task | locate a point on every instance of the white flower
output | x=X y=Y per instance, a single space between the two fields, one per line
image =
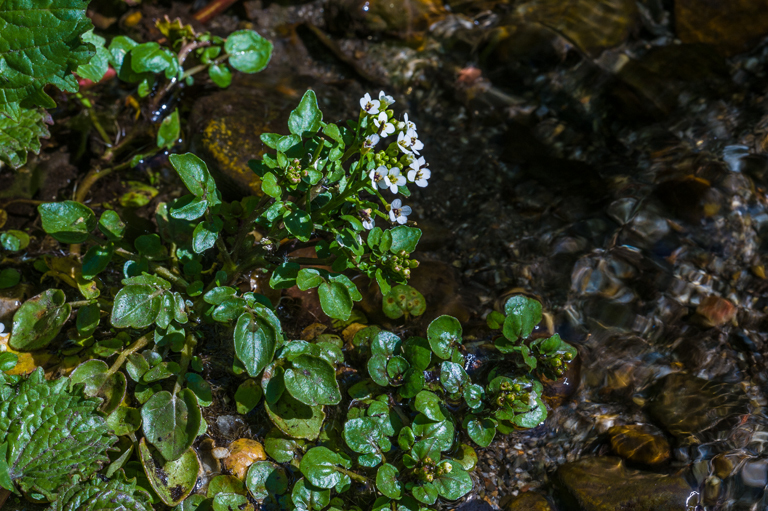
x=395 y=179
x=404 y=142
x=409 y=125
x=399 y=213
x=379 y=177
x=385 y=100
x=386 y=128
x=419 y=173
x=368 y=223
x=371 y=141
x=416 y=144
x=371 y=106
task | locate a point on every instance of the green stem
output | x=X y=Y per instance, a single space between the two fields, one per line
x=229 y=264
x=81 y=303
x=186 y=356
x=160 y=270
x=96 y=124
x=352 y=475
x=133 y=348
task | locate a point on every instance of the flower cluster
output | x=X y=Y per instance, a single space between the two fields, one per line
x=399 y=163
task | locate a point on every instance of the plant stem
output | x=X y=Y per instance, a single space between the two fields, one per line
x=96 y=124
x=81 y=303
x=160 y=270
x=133 y=348
x=23 y=201
x=186 y=356
x=229 y=264
x=354 y=476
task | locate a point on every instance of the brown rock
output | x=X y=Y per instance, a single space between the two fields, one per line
x=605 y=484
x=243 y=452
x=529 y=501
x=641 y=443
x=395 y=17
x=731 y=27
x=716 y=311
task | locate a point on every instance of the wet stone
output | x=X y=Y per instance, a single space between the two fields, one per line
x=730 y=27
x=605 y=484
x=10 y=301
x=529 y=501
x=716 y=311
x=690 y=407
x=640 y=443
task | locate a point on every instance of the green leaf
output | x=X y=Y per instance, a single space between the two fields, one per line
x=189 y=207
x=97 y=66
x=387 y=481
x=8 y=361
x=111 y=226
x=152 y=58
x=88 y=318
x=136 y=306
x=41 y=44
x=404 y=238
x=39 y=320
x=14 y=240
x=453 y=377
x=309 y=278
x=231 y=502
x=205 y=234
x=255 y=342
x=94 y=374
x=124 y=420
x=363 y=435
x=96 y=260
x=454 y=483
x=309 y=497
x=97 y=494
x=200 y=387
x=280 y=447
x=9 y=278
x=248 y=51
x=284 y=276
x=220 y=75
x=418 y=353
x=494 y=320
x=333 y=132
x=172 y=480
x=171 y=422
x=68 y=221
x=428 y=403
x=473 y=395
x=320 y=466
x=413 y=382
x=299 y=223
x=270 y=187
x=168 y=133
x=265 y=478
x=20 y=132
x=197 y=179
x=312 y=381
x=377 y=369
x=335 y=300
x=247 y=396
x=52 y=431
x=294 y=418
x=523 y=314
x=480 y=430
x=534 y=417
x=426 y=493
x=443 y=333
x=306 y=117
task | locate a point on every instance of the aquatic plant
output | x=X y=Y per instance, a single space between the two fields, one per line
x=123 y=433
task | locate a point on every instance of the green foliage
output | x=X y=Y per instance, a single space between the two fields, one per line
x=50 y=433
x=97 y=494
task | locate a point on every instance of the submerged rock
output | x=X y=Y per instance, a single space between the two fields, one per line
x=529 y=501
x=730 y=27
x=641 y=443
x=687 y=406
x=605 y=484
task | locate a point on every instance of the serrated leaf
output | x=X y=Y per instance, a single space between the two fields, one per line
x=20 y=132
x=41 y=43
x=52 y=432
x=39 y=320
x=97 y=494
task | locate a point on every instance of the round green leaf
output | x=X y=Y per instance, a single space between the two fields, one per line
x=172 y=480
x=320 y=467
x=220 y=75
x=111 y=226
x=526 y=313
x=8 y=361
x=299 y=223
x=418 y=353
x=171 y=422
x=280 y=447
x=453 y=484
x=363 y=435
x=9 y=278
x=68 y=221
x=39 y=320
x=534 y=417
x=443 y=333
x=200 y=387
x=453 y=377
x=247 y=396
x=136 y=306
x=377 y=368
x=124 y=420
x=429 y=404
x=294 y=418
x=198 y=180
x=480 y=430
x=13 y=240
x=231 y=502
x=387 y=481
x=248 y=51
x=402 y=299
x=426 y=493
x=88 y=318
x=396 y=368
x=225 y=484
x=265 y=478
x=96 y=260
x=413 y=382
x=335 y=300
x=307 y=496
x=168 y=133
x=312 y=381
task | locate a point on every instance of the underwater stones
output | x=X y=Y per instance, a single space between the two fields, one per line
x=640 y=443
x=730 y=27
x=688 y=407
x=226 y=127
x=243 y=453
x=529 y=501
x=716 y=311
x=10 y=301
x=605 y=484
x=394 y=17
